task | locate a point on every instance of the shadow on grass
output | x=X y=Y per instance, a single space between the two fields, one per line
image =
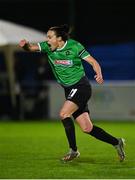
x=95 y=161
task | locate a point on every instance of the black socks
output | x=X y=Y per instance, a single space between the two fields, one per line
x=70 y=132
x=96 y=132
x=103 y=136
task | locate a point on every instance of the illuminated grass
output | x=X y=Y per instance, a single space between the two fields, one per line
x=33 y=150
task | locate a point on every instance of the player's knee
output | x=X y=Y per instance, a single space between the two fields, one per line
x=87 y=129
x=63 y=115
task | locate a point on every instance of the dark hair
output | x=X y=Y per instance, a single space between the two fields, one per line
x=61 y=31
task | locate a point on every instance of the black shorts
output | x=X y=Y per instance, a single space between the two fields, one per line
x=79 y=93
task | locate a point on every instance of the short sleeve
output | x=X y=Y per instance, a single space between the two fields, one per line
x=82 y=53
x=43 y=47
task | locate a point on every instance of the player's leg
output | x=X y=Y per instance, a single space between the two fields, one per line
x=84 y=122
x=66 y=111
x=76 y=96
x=86 y=125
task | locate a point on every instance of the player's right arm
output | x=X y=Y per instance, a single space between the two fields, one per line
x=28 y=46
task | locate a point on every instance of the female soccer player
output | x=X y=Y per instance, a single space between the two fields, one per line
x=65 y=57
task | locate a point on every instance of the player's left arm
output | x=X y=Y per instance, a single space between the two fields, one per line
x=96 y=67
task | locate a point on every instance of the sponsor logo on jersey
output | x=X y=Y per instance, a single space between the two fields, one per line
x=63 y=62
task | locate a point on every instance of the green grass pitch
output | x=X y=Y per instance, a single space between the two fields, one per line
x=32 y=150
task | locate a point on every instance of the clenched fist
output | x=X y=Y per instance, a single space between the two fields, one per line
x=22 y=43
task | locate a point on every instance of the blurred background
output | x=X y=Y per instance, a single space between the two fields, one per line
x=105 y=27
